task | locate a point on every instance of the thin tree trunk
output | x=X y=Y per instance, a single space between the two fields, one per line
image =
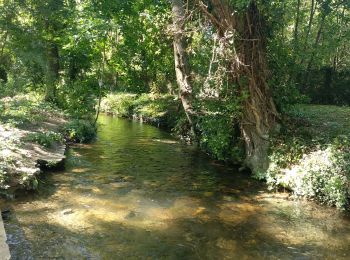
x=100 y=85
x=100 y=81
x=53 y=68
x=296 y=27
x=312 y=12
x=336 y=55
x=317 y=40
x=181 y=64
x=3 y=44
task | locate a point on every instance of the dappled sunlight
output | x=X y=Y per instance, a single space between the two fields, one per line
x=80 y=170
x=152 y=201
x=165 y=141
x=238 y=212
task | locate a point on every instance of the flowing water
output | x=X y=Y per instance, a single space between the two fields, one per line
x=136 y=193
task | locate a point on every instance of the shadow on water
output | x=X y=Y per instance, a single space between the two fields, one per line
x=137 y=193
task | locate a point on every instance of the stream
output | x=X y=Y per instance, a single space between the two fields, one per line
x=138 y=193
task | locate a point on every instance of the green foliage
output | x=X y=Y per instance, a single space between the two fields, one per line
x=328 y=175
x=80 y=130
x=307 y=50
x=22 y=110
x=323 y=175
x=219 y=128
x=311 y=155
x=218 y=138
x=4 y=162
x=46 y=139
x=161 y=109
x=158 y=109
x=118 y=104
x=78 y=98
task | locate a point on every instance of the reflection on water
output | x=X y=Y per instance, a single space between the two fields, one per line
x=137 y=194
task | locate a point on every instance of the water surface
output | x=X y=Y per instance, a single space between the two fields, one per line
x=136 y=193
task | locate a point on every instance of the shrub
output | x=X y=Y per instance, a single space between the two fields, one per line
x=311 y=154
x=80 y=130
x=161 y=109
x=218 y=137
x=78 y=98
x=46 y=139
x=118 y=104
x=3 y=173
x=23 y=110
x=322 y=174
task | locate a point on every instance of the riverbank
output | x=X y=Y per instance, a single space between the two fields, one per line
x=33 y=137
x=309 y=157
x=311 y=154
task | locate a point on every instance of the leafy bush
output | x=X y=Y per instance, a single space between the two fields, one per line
x=311 y=155
x=46 y=139
x=80 y=130
x=118 y=104
x=161 y=109
x=219 y=128
x=323 y=175
x=218 y=137
x=78 y=98
x=3 y=173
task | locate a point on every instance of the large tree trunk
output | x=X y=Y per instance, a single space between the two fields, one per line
x=181 y=64
x=248 y=69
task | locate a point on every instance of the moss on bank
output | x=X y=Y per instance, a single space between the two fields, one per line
x=33 y=135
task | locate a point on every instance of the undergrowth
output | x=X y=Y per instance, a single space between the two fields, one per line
x=311 y=155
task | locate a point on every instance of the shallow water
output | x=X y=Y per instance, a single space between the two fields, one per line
x=136 y=193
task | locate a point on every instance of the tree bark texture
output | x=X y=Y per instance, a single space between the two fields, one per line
x=249 y=72
x=181 y=64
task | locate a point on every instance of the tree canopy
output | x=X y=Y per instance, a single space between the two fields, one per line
x=237 y=65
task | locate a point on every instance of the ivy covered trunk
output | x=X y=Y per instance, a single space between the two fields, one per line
x=248 y=71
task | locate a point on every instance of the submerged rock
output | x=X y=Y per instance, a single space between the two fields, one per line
x=67 y=212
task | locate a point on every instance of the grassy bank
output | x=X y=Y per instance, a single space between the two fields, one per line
x=33 y=136
x=310 y=156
